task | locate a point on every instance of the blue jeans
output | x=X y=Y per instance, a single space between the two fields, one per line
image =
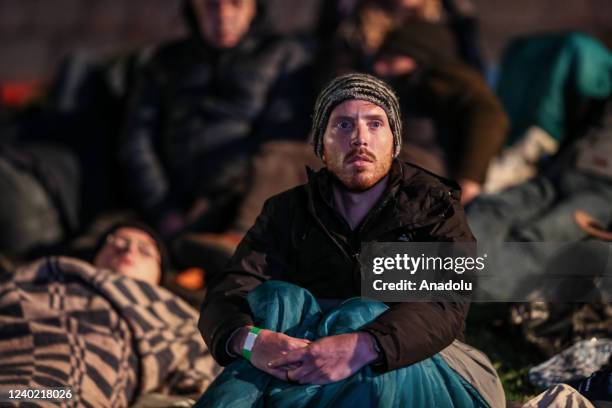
x=541 y=209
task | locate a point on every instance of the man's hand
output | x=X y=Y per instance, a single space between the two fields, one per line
x=329 y=359
x=268 y=346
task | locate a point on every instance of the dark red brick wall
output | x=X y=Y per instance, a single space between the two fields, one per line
x=503 y=19
x=35 y=34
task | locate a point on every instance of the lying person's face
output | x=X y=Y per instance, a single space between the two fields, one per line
x=131 y=252
x=224 y=22
x=358 y=144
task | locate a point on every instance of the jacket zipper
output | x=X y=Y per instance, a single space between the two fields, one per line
x=334 y=240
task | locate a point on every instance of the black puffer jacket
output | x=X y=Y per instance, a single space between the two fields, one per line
x=300 y=238
x=196 y=113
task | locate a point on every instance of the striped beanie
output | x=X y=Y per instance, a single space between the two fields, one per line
x=356 y=86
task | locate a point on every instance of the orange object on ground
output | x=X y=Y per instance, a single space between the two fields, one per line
x=191 y=278
x=226 y=242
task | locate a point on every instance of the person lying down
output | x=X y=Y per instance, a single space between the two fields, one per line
x=104 y=330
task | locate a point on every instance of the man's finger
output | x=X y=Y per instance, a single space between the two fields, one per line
x=298 y=373
x=280 y=374
x=292 y=366
x=297 y=338
x=291 y=357
x=295 y=346
x=289 y=367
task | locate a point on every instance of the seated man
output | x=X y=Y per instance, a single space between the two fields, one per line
x=202 y=105
x=106 y=332
x=282 y=302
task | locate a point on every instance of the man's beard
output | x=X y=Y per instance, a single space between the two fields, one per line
x=357 y=180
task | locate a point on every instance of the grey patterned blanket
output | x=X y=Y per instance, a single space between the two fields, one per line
x=110 y=339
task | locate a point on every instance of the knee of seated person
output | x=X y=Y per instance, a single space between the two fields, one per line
x=527 y=234
x=363 y=303
x=281 y=289
x=358 y=310
x=485 y=204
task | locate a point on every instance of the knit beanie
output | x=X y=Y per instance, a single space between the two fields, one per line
x=356 y=86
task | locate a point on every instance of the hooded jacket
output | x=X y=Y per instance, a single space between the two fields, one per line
x=300 y=238
x=196 y=113
x=449 y=108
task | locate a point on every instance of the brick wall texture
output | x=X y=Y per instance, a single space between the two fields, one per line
x=36 y=34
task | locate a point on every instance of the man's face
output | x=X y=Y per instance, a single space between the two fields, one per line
x=131 y=252
x=224 y=22
x=358 y=144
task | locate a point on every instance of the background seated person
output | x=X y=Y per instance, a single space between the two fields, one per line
x=201 y=106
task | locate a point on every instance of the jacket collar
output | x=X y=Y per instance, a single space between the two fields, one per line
x=414 y=197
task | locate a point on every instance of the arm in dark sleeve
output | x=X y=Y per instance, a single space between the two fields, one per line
x=477 y=118
x=281 y=112
x=143 y=173
x=289 y=101
x=413 y=331
x=485 y=126
x=257 y=259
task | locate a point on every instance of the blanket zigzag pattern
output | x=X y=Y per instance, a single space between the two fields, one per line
x=107 y=337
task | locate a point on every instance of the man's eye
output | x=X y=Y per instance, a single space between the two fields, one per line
x=343 y=124
x=376 y=124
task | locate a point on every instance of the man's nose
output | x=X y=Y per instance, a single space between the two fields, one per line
x=361 y=136
x=224 y=11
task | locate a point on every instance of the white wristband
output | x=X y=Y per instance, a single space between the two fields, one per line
x=250 y=342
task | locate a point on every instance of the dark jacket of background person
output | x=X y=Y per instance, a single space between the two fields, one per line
x=197 y=112
x=301 y=239
x=449 y=108
x=349 y=43
x=39 y=186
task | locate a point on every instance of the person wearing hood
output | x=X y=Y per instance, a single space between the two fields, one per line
x=202 y=105
x=455 y=125
x=354 y=30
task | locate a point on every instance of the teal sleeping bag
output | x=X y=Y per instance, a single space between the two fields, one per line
x=287 y=308
x=540 y=72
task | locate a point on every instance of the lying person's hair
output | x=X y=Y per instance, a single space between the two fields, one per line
x=110 y=237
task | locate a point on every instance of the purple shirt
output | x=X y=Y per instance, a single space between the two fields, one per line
x=354 y=206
